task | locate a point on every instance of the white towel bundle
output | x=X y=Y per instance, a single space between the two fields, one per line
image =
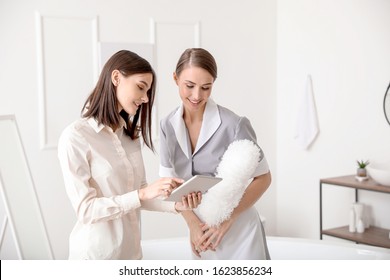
x=306 y=127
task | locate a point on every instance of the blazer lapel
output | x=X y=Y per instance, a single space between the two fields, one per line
x=210 y=124
x=181 y=131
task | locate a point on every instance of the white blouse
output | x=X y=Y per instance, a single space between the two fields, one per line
x=103 y=171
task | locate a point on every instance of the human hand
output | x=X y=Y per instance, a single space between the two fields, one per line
x=162 y=187
x=212 y=236
x=189 y=202
x=195 y=234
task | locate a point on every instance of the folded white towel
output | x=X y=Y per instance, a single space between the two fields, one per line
x=306 y=127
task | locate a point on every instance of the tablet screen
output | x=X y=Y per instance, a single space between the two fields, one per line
x=197 y=183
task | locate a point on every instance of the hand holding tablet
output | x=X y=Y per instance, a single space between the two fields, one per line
x=198 y=183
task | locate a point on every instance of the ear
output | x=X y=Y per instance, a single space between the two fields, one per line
x=175 y=78
x=115 y=77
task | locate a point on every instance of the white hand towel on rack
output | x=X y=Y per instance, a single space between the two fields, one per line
x=306 y=127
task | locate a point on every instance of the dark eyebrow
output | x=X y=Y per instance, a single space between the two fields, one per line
x=188 y=81
x=145 y=83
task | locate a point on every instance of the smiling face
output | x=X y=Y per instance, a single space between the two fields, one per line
x=195 y=85
x=132 y=90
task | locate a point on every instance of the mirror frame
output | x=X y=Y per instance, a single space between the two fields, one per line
x=22 y=209
x=386 y=104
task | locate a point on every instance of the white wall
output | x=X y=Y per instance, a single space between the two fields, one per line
x=241 y=35
x=345 y=47
x=264 y=49
x=245 y=50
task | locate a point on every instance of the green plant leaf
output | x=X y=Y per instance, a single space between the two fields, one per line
x=362 y=163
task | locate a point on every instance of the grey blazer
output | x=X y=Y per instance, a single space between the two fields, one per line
x=220 y=127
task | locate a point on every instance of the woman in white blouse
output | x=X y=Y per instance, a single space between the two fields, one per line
x=193 y=139
x=102 y=164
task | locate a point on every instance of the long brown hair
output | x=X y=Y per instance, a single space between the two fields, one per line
x=102 y=103
x=197 y=57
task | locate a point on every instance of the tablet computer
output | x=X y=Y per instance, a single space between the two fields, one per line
x=195 y=184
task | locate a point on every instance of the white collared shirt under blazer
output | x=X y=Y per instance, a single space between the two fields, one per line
x=103 y=171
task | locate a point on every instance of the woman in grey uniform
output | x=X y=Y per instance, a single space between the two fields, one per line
x=193 y=140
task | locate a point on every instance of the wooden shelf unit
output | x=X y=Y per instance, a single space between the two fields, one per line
x=373 y=236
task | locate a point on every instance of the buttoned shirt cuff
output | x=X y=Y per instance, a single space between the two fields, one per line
x=167 y=172
x=159 y=205
x=130 y=201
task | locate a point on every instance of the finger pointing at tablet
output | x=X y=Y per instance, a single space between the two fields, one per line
x=162 y=187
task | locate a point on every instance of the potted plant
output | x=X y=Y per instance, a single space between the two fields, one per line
x=362 y=171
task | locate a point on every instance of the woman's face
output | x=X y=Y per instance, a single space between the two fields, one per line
x=195 y=86
x=132 y=91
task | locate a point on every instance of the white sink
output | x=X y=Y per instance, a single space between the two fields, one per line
x=380 y=173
